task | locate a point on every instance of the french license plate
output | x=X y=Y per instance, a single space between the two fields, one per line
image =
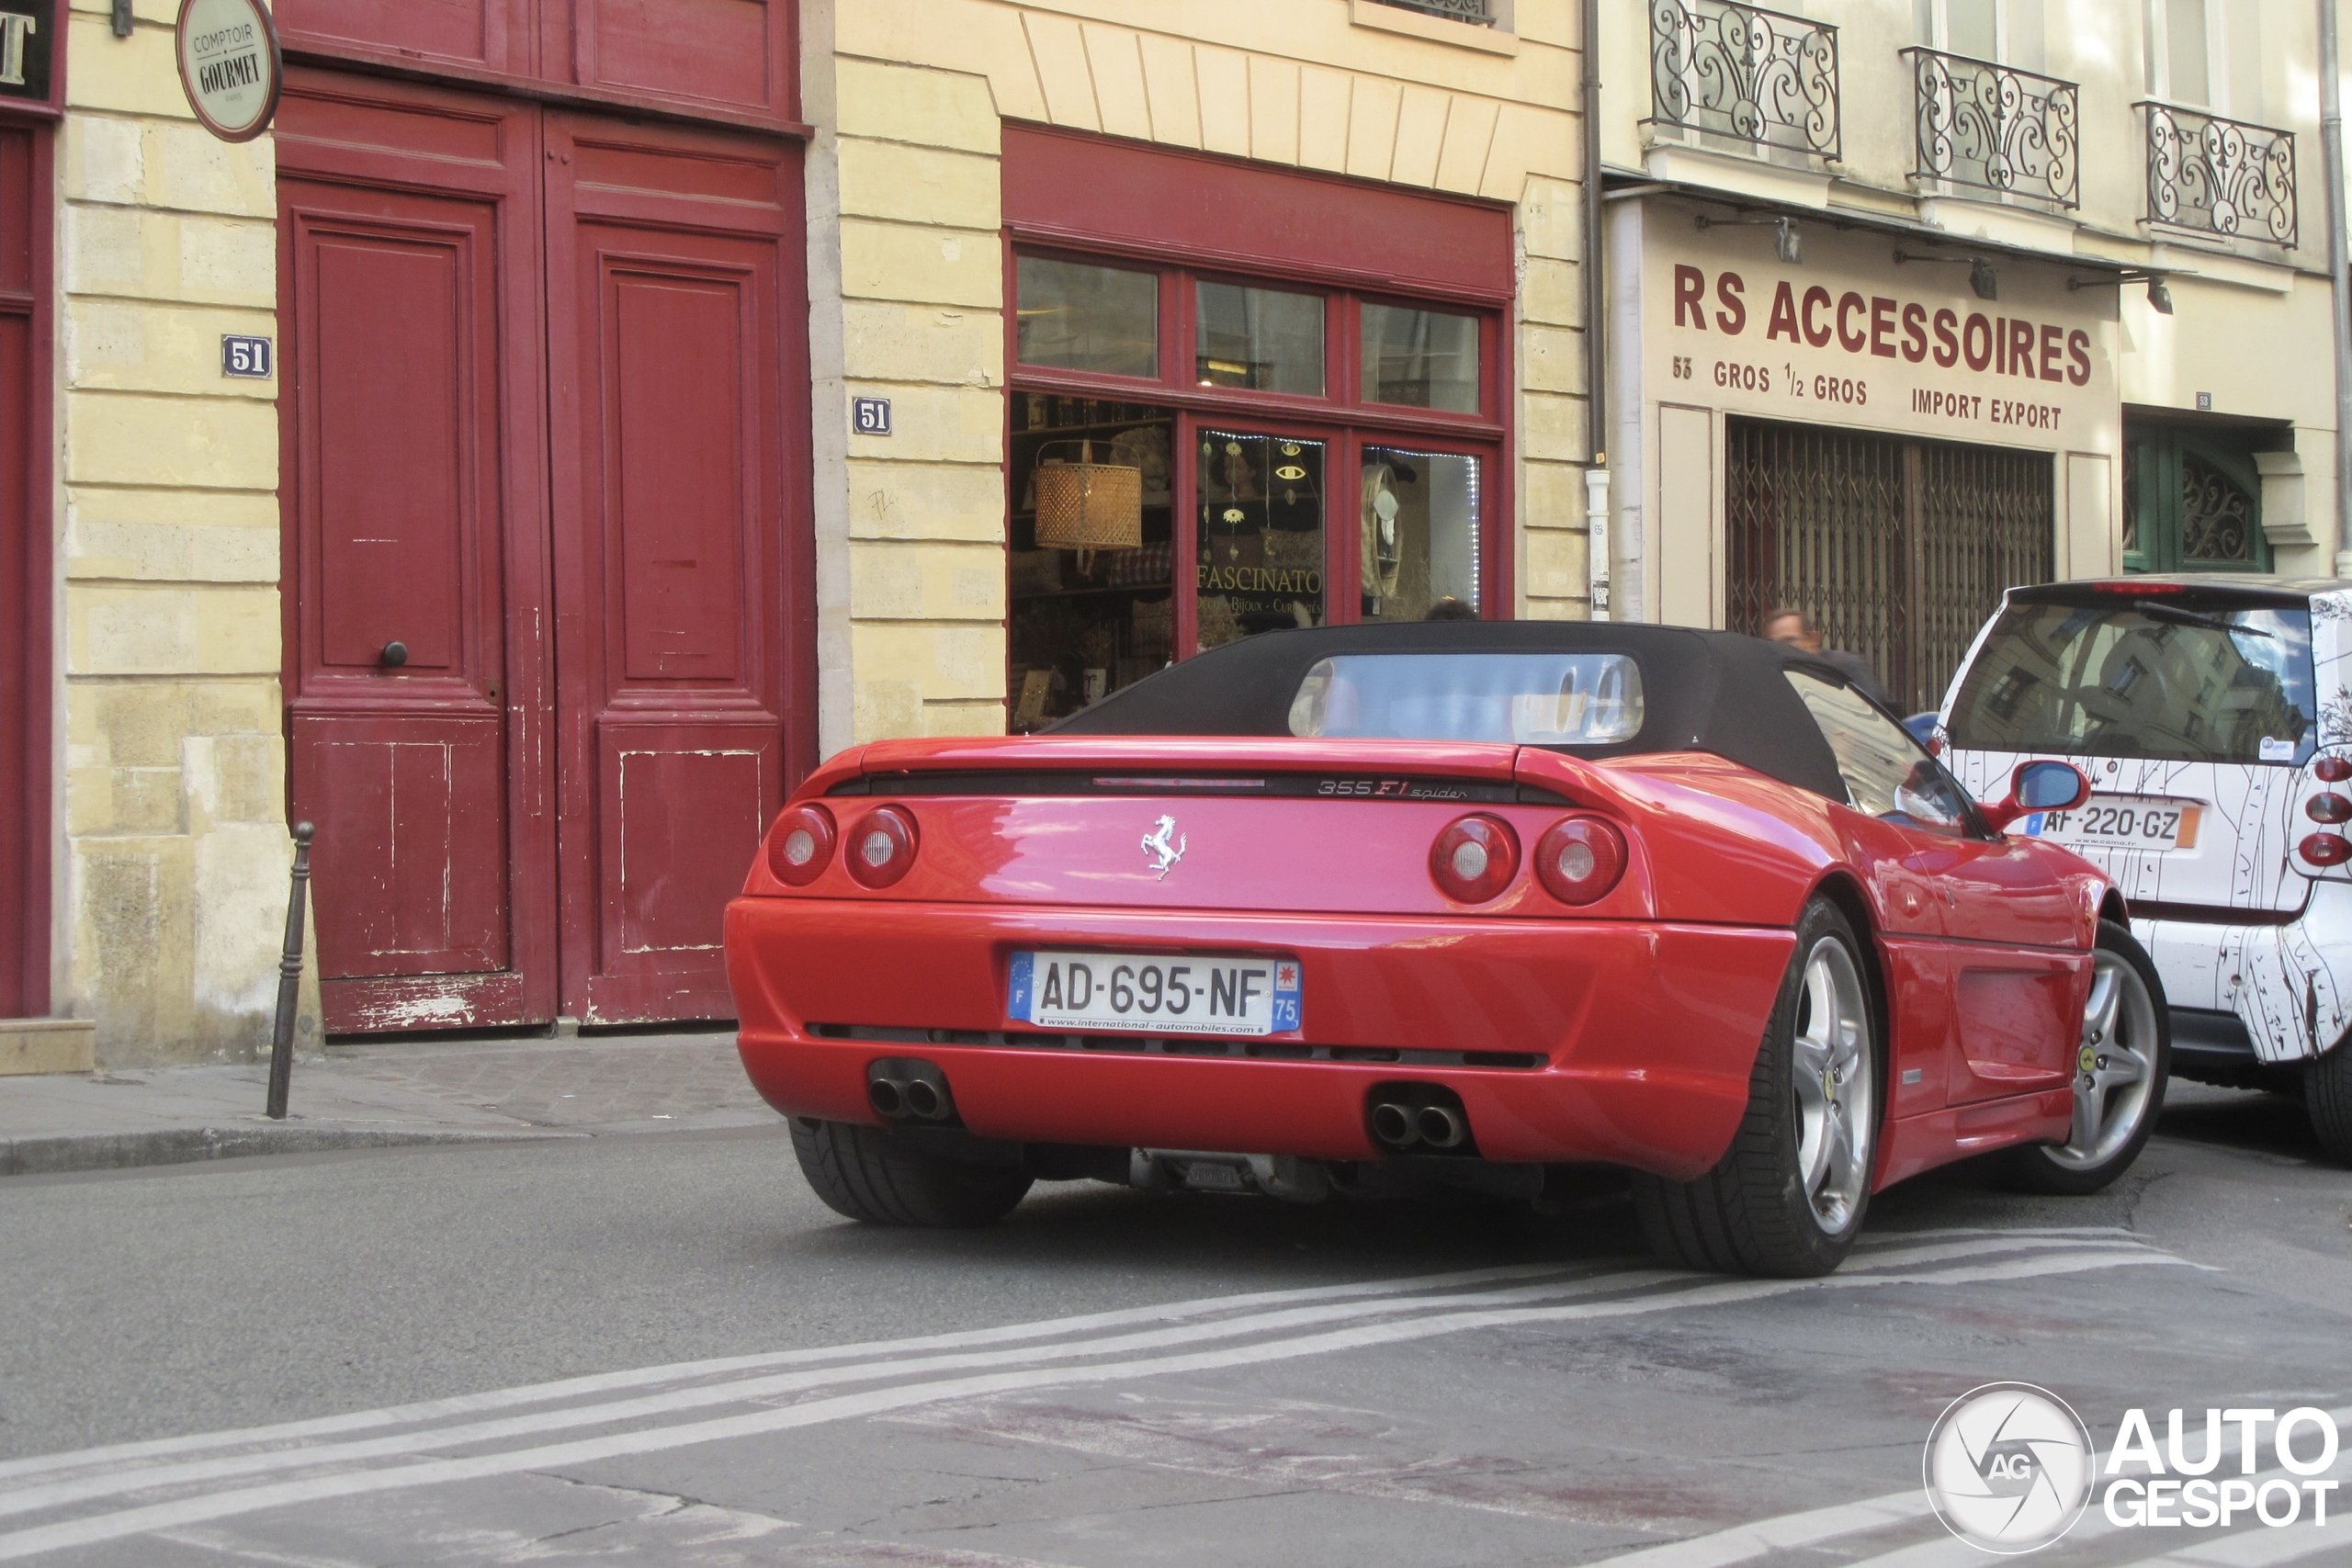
x=1154 y=993
x=2121 y=822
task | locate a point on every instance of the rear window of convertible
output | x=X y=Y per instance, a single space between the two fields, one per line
x=2143 y=678
x=1528 y=699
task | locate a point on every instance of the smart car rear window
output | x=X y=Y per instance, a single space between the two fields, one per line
x=1528 y=699
x=2143 y=678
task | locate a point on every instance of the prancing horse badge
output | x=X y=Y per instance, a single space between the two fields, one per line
x=1164 y=846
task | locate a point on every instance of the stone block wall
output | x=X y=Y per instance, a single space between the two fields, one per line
x=174 y=852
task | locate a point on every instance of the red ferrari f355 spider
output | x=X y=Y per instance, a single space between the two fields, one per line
x=1361 y=911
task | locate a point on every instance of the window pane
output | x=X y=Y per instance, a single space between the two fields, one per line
x=1082 y=625
x=1968 y=28
x=1075 y=317
x=1886 y=773
x=1260 y=338
x=1420 y=521
x=1261 y=534
x=2130 y=679
x=1427 y=359
x=2185 y=51
x=1528 y=699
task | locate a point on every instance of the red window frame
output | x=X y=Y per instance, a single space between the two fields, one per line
x=1188 y=217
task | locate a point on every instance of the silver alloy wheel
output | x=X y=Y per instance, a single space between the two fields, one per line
x=1834 y=1069
x=2113 y=1072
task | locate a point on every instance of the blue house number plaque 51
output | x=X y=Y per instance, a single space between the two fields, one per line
x=870 y=416
x=250 y=357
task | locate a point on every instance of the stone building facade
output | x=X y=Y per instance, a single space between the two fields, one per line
x=170 y=845
x=539 y=739
x=2148 y=190
x=668 y=396
x=911 y=99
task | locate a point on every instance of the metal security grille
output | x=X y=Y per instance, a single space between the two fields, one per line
x=1897 y=549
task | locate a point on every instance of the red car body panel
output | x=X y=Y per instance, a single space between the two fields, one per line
x=1645 y=1007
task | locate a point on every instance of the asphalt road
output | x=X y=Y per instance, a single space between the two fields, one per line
x=1108 y=1378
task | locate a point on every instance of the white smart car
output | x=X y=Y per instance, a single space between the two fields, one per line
x=2213 y=715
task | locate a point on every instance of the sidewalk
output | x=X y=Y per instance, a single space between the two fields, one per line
x=377 y=1096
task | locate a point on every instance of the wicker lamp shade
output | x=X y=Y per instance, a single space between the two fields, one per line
x=1088 y=506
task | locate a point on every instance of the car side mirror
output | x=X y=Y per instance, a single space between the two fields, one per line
x=2040 y=786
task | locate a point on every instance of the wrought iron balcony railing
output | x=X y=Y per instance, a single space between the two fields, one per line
x=1753 y=75
x=1996 y=128
x=2220 y=177
x=1477 y=13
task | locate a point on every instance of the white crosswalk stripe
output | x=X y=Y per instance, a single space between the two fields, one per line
x=680 y=1371
x=751 y=1396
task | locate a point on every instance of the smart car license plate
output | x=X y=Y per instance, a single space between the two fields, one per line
x=2121 y=822
x=1155 y=993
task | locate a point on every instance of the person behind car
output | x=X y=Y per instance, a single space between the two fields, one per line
x=1793 y=626
x=1448 y=608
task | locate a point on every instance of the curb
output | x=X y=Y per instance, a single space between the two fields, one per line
x=185 y=1146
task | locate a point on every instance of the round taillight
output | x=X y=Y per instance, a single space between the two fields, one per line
x=2328 y=809
x=881 y=847
x=1474 y=859
x=800 y=845
x=2332 y=769
x=1580 y=859
x=2325 y=849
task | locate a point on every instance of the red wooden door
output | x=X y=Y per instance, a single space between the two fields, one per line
x=676 y=311
x=545 y=428
x=415 y=477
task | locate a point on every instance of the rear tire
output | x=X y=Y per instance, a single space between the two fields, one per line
x=870 y=1176
x=1787 y=1199
x=2127 y=1037
x=2327 y=1098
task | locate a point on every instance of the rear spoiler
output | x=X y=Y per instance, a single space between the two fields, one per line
x=1213 y=763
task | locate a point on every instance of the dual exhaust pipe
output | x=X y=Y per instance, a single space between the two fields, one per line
x=1426 y=1117
x=903 y=1089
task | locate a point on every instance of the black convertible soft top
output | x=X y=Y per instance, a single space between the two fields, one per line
x=1702 y=691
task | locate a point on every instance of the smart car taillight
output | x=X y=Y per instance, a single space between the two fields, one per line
x=881 y=847
x=800 y=845
x=1580 y=859
x=1474 y=859
x=2330 y=807
x=2325 y=849
x=2332 y=770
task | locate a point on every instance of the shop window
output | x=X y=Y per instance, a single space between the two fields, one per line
x=1263 y=484
x=1420 y=532
x=1088 y=620
x=1261 y=553
x=1076 y=317
x=1260 y=338
x=1424 y=359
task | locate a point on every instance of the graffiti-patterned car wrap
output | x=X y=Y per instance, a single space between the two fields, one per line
x=2237 y=922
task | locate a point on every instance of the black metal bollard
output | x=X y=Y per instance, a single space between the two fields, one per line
x=289 y=976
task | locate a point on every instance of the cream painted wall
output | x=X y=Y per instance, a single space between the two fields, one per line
x=920 y=90
x=2251 y=321
x=173 y=859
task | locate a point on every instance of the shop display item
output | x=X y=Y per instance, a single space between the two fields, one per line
x=1088 y=506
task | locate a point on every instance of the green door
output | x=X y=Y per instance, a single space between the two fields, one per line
x=2192 y=502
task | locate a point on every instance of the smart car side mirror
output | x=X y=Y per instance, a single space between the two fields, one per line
x=2040 y=786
